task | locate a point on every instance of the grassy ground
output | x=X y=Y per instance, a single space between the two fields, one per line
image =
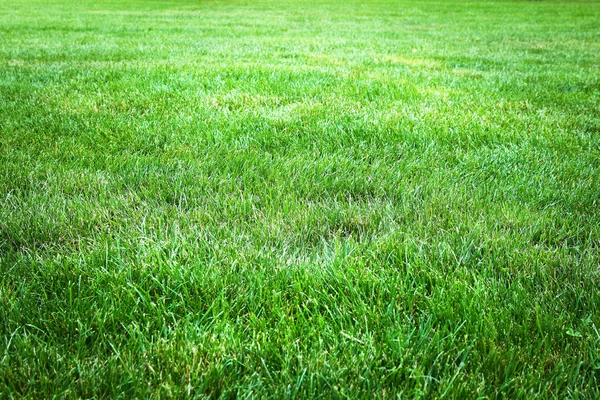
x=299 y=199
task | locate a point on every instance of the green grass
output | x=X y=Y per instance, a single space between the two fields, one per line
x=299 y=199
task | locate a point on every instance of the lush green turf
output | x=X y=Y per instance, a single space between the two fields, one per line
x=338 y=199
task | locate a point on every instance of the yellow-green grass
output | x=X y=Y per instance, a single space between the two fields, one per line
x=335 y=199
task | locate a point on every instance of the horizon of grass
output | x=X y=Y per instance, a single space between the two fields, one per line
x=299 y=199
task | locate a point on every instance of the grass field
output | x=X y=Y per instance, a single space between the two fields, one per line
x=299 y=199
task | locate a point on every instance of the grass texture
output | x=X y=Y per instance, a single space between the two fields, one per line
x=299 y=199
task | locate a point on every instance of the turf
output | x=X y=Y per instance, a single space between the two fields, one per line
x=335 y=199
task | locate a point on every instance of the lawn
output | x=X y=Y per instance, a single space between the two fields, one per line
x=337 y=199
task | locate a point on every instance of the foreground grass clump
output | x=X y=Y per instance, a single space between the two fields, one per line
x=261 y=199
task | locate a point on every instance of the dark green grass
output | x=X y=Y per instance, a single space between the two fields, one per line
x=299 y=199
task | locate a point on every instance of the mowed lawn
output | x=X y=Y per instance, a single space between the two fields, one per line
x=334 y=199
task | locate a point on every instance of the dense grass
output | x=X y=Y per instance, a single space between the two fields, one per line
x=299 y=199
